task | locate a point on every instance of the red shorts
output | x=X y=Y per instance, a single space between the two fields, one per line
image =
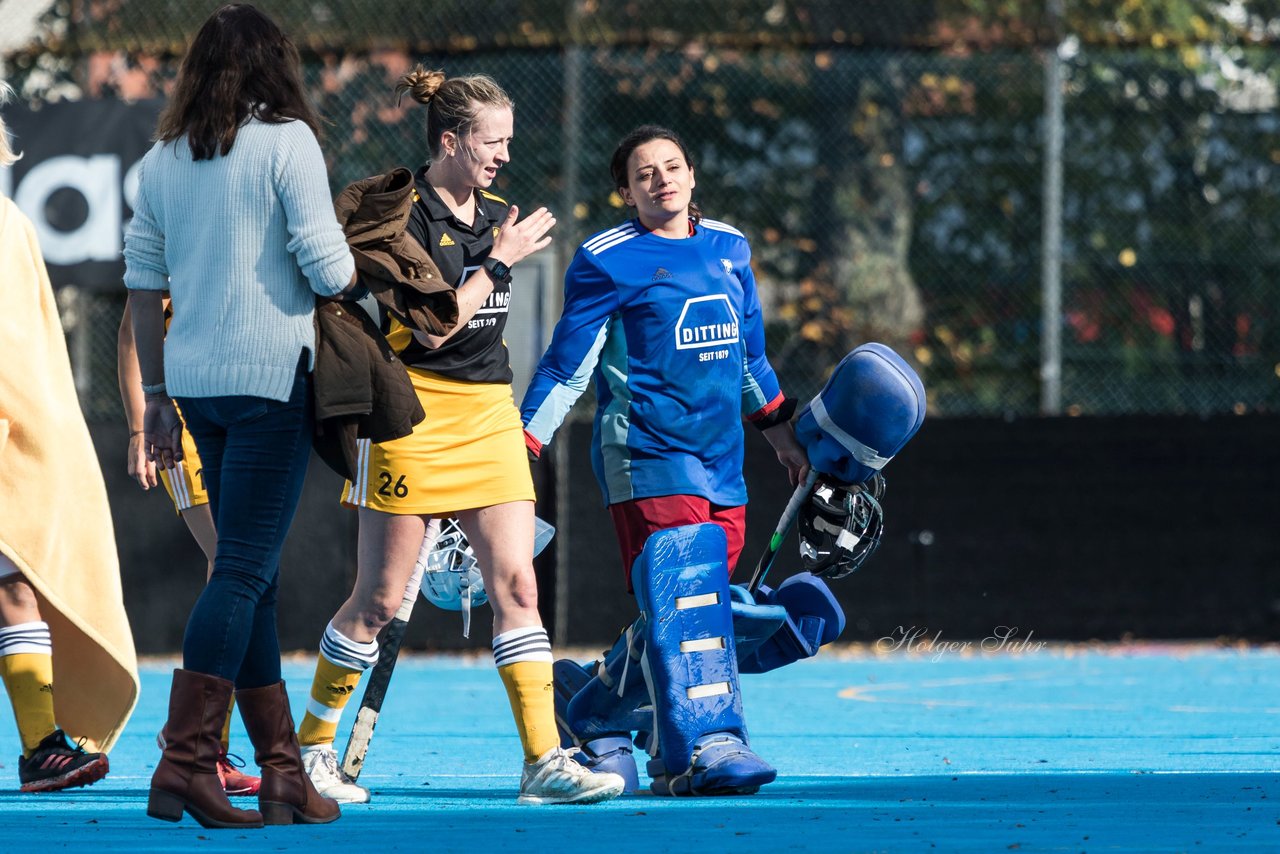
x=635 y=520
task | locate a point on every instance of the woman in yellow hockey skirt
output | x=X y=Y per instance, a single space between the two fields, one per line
x=469 y=449
x=466 y=459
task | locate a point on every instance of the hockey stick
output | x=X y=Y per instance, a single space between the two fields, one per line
x=389 y=641
x=780 y=532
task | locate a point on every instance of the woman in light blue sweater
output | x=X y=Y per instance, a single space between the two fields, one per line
x=234 y=220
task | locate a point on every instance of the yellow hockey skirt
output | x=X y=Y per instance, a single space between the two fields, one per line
x=185 y=481
x=468 y=452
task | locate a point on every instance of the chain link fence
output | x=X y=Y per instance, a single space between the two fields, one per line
x=892 y=182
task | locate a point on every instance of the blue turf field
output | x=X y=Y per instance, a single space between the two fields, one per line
x=1169 y=748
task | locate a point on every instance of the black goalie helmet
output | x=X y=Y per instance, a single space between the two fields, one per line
x=840 y=526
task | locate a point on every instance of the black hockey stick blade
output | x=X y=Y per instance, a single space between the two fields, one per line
x=780 y=532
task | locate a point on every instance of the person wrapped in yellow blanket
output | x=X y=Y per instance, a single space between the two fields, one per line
x=61 y=609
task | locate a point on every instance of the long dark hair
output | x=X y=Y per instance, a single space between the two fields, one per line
x=637 y=138
x=240 y=64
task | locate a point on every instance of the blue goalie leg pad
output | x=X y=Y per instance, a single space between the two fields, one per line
x=753 y=622
x=699 y=737
x=805 y=597
x=722 y=765
x=568 y=677
x=814 y=619
x=606 y=753
x=610 y=701
x=611 y=753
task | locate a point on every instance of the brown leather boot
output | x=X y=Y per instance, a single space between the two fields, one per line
x=286 y=796
x=186 y=778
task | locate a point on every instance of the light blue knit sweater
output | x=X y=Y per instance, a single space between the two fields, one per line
x=241 y=242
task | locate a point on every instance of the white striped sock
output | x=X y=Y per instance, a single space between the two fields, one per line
x=527 y=644
x=345 y=652
x=26 y=638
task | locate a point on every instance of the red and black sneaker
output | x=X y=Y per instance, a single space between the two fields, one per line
x=56 y=764
x=234 y=781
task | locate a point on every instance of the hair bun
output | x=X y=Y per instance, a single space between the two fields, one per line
x=421 y=84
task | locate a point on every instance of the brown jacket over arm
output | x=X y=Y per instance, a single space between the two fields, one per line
x=361 y=387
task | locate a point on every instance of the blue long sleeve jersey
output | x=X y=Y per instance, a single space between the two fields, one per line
x=672 y=331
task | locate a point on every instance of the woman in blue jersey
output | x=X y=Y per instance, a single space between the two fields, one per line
x=664 y=309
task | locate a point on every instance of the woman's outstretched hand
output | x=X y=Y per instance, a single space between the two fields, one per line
x=516 y=241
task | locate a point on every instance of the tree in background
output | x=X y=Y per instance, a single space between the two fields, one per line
x=884 y=157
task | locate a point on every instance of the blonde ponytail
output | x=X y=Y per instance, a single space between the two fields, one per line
x=421 y=84
x=452 y=103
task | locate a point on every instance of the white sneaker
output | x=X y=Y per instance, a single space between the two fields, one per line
x=321 y=764
x=557 y=778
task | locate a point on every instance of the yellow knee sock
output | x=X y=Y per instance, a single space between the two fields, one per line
x=28 y=677
x=523 y=657
x=532 y=704
x=330 y=691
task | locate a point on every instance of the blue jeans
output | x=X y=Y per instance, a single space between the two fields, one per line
x=254 y=454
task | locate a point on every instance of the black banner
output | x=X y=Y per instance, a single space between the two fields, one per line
x=76 y=181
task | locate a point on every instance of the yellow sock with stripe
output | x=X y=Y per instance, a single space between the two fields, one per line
x=226 y=727
x=338 y=670
x=26 y=665
x=523 y=657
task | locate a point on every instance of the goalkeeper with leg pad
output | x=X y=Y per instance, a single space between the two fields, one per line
x=663 y=308
x=663 y=311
